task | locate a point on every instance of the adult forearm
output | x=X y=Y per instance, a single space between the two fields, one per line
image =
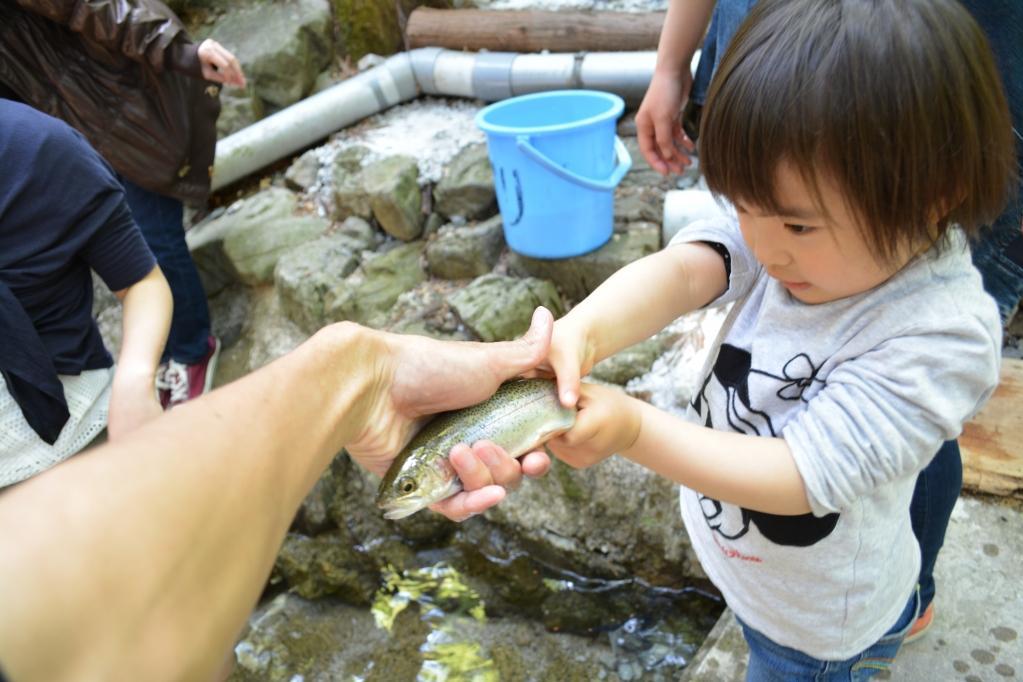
x=684 y=27
x=144 y=325
x=218 y=479
x=706 y=460
x=645 y=296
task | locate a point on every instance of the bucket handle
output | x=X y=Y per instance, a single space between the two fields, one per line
x=622 y=165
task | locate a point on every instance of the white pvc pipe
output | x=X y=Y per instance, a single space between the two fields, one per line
x=429 y=70
x=685 y=206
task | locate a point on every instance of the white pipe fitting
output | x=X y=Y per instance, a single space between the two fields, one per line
x=489 y=76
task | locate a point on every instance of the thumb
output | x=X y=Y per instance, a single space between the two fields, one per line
x=529 y=350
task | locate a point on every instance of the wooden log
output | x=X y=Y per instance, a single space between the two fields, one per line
x=992 y=444
x=533 y=30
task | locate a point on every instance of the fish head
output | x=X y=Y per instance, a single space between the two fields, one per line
x=418 y=483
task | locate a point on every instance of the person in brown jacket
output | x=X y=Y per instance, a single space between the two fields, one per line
x=128 y=77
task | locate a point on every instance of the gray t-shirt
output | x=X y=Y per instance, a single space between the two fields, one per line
x=864 y=390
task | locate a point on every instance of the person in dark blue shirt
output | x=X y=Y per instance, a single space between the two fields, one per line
x=62 y=214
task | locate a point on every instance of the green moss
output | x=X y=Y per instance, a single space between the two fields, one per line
x=367 y=26
x=569 y=483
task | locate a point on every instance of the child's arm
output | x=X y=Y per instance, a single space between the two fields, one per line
x=754 y=472
x=146 y=321
x=633 y=304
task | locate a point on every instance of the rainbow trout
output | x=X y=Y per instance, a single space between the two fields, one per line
x=522 y=415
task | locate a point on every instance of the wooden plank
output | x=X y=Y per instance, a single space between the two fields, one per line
x=533 y=30
x=992 y=444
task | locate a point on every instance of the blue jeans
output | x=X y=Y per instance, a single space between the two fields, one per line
x=724 y=22
x=159 y=217
x=937 y=489
x=771 y=662
x=998 y=254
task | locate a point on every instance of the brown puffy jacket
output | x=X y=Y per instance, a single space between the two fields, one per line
x=125 y=74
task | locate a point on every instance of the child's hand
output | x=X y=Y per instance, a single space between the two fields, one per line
x=607 y=423
x=570 y=357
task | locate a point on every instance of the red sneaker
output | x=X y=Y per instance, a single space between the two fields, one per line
x=178 y=383
x=921 y=626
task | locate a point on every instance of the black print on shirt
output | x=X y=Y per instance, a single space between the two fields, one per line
x=731 y=373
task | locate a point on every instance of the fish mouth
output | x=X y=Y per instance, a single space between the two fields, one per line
x=394 y=512
x=409 y=505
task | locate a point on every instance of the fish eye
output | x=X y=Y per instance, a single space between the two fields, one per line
x=406 y=485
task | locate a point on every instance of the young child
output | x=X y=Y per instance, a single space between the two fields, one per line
x=853 y=138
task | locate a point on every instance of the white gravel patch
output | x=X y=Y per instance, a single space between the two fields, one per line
x=431 y=130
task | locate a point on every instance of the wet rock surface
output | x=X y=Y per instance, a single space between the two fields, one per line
x=498 y=308
x=466 y=252
x=467 y=187
x=392 y=185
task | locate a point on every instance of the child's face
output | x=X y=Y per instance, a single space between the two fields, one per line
x=817 y=258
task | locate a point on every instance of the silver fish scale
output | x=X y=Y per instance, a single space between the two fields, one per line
x=515 y=418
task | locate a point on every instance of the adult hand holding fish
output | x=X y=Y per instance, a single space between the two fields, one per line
x=423 y=376
x=206 y=492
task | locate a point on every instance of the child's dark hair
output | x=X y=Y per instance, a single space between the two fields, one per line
x=897 y=102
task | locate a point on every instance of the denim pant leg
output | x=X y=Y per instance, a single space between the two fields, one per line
x=937 y=489
x=724 y=22
x=998 y=254
x=772 y=662
x=159 y=218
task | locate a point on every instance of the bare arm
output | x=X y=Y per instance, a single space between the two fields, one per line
x=752 y=471
x=756 y=472
x=633 y=304
x=145 y=323
x=142 y=559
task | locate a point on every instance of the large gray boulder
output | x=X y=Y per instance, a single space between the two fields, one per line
x=577 y=277
x=467 y=187
x=255 y=248
x=350 y=197
x=633 y=361
x=306 y=273
x=639 y=532
x=466 y=252
x=498 y=308
x=238 y=109
x=367 y=295
x=392 y=185
x=266 y=335
x=282 y=45
x=425 y=311
x=206 y=240
x=362 y=235
x=304 y=171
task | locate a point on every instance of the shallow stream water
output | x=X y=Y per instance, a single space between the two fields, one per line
x=482 y=608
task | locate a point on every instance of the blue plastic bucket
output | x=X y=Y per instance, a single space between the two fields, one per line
x=556 y=162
